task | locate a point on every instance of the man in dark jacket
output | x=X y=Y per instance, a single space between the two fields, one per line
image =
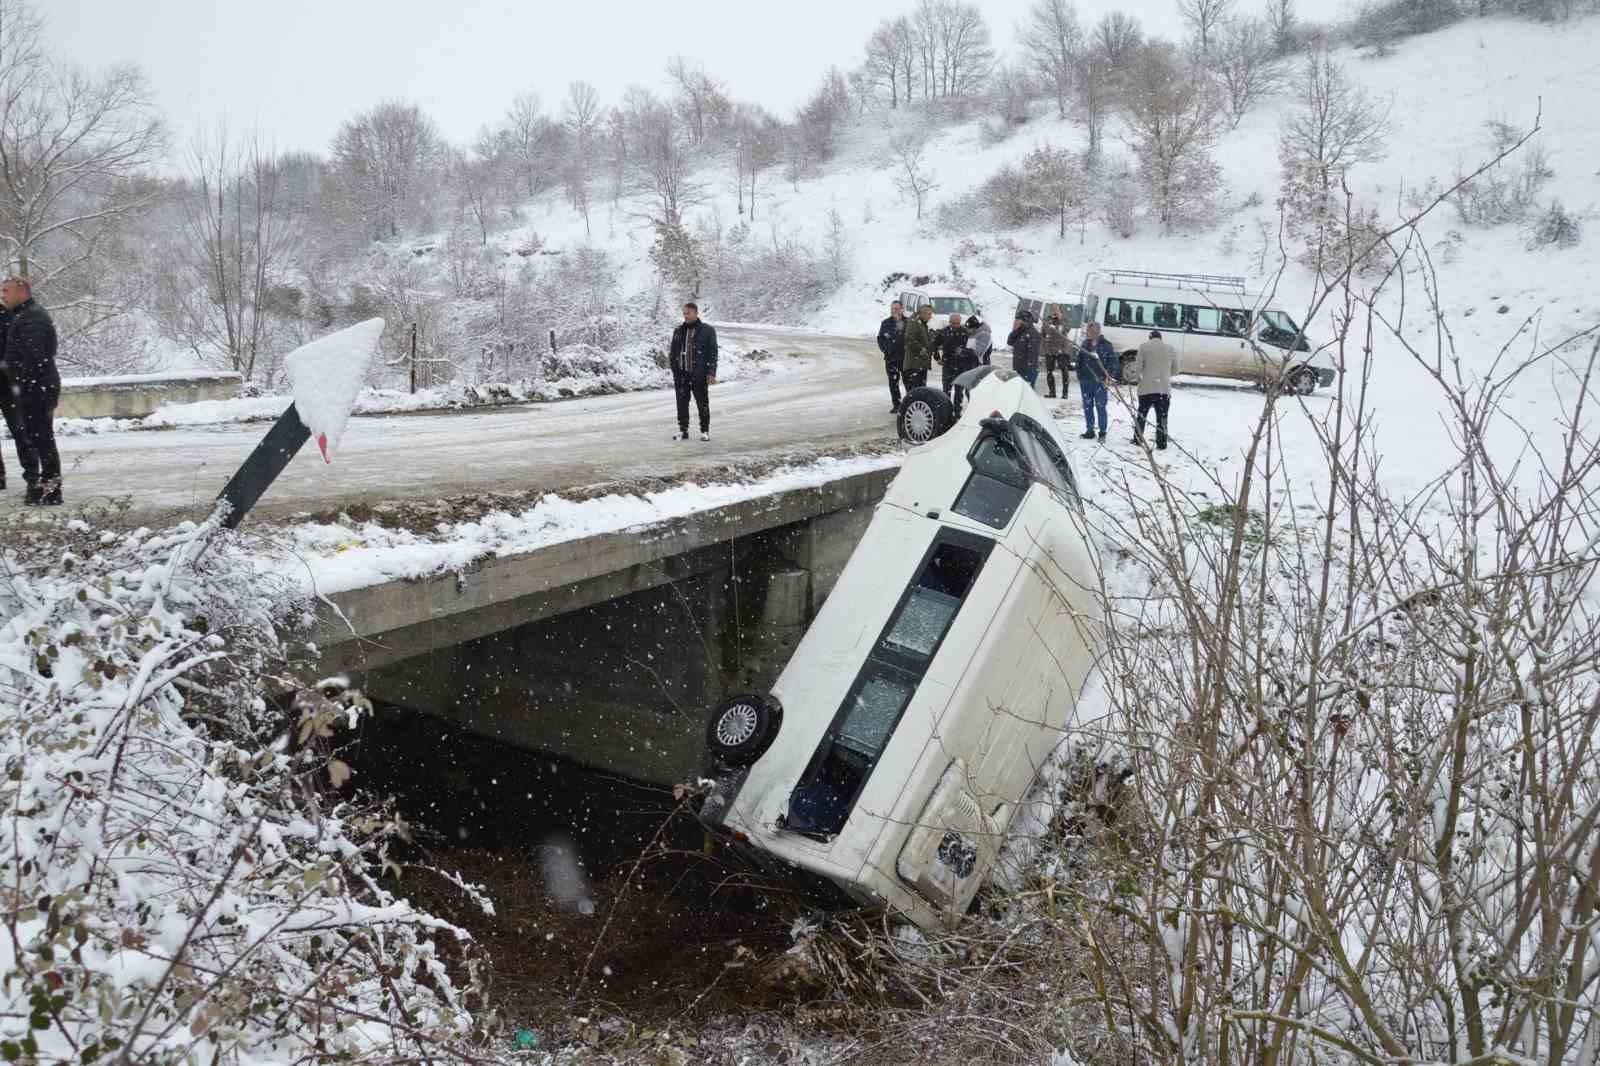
x=1024 y=342
x=949 y=342
x=1057 y=354
x=32 y=386
x=693 y=359
x=1098 y=366
x=892 y=343
x=919 y=349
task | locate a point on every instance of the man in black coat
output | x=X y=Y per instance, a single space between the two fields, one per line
x=948 y=344
x=30 y=386
x=892 y=343
x=1025 y=342
x=693 y=359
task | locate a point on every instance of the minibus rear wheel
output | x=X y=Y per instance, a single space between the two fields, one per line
x=742 y=728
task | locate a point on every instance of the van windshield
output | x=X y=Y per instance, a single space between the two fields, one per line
x=944 y=305
x=865 y=722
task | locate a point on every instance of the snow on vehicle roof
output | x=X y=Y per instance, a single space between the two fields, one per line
x=1194 y=297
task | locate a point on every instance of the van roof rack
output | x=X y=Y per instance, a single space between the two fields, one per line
x=1179 y=281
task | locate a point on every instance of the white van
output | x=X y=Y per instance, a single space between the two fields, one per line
x=894 y=750
x=943 y=301
x=1219 y=329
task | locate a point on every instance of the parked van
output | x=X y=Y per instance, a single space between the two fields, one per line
x=1219 y=329
x=894 y=750
x=944 y=302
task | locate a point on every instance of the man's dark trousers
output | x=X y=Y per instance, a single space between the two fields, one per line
x=1161 y=401
x=893 y=370
x=29 y=418
x=684 y=383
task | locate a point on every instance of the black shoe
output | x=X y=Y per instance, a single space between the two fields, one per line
x=894 y=409
x=1161 y=445
x=50 y=493
x=1089 y=435
x=1049 y=395
x=34 y=494
x=1102 y=438
x=682 y=434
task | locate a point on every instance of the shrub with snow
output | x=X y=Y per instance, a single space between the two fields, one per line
x=180 y=884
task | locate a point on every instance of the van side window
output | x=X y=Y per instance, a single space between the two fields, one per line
x=821 y=802
x=1202 y=319
x=1236 y=323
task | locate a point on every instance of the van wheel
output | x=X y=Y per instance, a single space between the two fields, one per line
x=1303 y=381
x=742 y=728
x=925 y=413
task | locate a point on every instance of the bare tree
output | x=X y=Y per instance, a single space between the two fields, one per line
x=383 y=162
x=476 y=184
x=1055 y=42
x=70 y=143
x=701 y=100
x=533 y=139
x=819 y=119
x=912 y=176
x=1060 y=178
x=1284 y=24
x=836 y=246
x=1011 y=88
x=891 y=58
x=583 y=120
x=1205 y=18
x=757 y=139
x=1172 y=119
x=661 y=165
x=1248 y=65
x=238 y=243
x=1334 y=125
x=1118 y=37
x=1094 y=91
x=954 y=47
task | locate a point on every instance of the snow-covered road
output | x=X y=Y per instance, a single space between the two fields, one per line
x=838 y=399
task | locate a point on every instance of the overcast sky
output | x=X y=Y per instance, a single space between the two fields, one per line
x=295 y=69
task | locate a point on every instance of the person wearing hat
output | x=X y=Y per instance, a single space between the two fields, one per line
x=1024 y=343
x=1155 y=364
x=1057 y=354
x=975 y=353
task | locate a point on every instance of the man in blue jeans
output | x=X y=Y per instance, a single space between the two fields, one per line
x=1098 y=366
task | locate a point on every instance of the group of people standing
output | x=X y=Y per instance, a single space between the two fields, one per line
x=30 y=387
x=910 y=347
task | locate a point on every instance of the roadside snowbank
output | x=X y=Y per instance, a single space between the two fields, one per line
x=579 y=370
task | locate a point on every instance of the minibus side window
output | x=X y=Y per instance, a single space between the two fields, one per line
x=821 y=802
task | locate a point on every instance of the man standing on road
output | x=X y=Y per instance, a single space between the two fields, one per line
x=950 y=342
x=1024 y=342
x=1098 y=366
x=980 y=342
x=1056 y=349
x=32 y=386
x=892 y=343
x=1154 y=367
x=919 y=349
x=693 y=358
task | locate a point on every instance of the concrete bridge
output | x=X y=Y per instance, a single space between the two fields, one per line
x=609 y=649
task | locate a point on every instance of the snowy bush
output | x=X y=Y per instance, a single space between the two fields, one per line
x=1555 y=227
x=1509 y=190
x=183 y=881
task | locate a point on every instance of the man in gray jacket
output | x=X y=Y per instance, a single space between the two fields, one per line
x=1154 y=367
